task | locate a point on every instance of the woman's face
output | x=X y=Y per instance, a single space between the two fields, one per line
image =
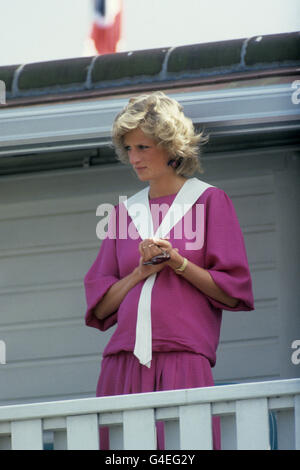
x=149 y=161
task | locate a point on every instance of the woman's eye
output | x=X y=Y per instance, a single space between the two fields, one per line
x=140 y=147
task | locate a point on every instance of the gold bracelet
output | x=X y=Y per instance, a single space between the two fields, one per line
x=183 y=266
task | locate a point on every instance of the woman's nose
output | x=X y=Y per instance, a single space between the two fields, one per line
x=133 y=157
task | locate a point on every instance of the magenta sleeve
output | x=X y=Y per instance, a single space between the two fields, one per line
x=103 y=273
x=225 y=252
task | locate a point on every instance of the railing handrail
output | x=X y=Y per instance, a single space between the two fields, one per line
x=163 y=399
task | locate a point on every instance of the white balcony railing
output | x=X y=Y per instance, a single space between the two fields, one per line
x=244 y=410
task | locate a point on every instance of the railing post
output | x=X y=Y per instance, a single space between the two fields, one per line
x=195 y=427
x=139 y=429
x=83 y=432
x=27 y=435
x=252 y=424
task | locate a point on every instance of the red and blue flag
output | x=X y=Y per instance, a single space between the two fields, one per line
x=106 y=29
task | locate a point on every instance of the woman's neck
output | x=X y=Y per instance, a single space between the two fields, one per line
x=166 y=187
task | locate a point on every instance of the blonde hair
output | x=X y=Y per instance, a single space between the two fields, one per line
x=162 y=119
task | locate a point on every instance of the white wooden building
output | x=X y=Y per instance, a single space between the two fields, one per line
x=57 y=166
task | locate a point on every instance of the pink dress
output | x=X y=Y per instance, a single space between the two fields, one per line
x=185 y=322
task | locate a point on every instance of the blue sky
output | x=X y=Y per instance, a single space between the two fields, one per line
x=38 y=30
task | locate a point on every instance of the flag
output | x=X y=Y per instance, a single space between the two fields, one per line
x=106 y=28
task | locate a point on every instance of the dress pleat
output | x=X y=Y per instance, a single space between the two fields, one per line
x=122 y=374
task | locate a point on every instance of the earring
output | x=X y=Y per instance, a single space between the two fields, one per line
x=175 y=163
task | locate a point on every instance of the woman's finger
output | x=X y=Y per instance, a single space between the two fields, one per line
x=163 y=243
x=141 y=248
x=148 y=249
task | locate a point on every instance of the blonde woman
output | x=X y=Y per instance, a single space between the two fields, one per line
x=182 y=262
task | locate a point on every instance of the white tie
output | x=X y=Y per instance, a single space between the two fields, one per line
x=139 y=210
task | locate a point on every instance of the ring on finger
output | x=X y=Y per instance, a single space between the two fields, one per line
x=148 y=246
